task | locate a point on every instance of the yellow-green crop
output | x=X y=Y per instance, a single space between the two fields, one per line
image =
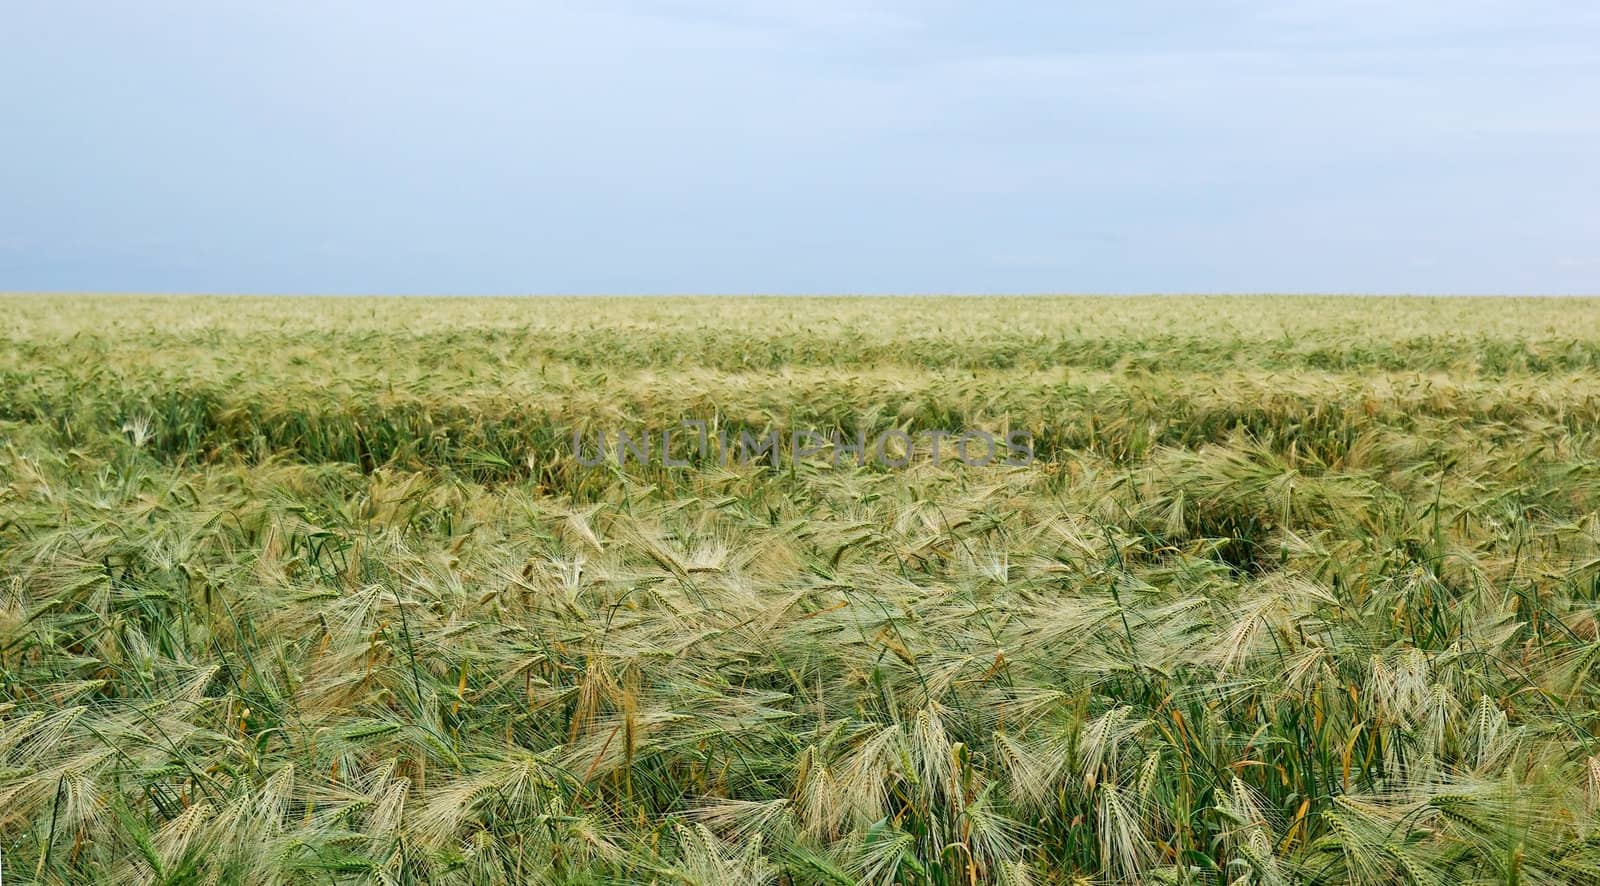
x=315 y=591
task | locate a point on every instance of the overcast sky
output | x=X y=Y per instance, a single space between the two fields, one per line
x=800 y=146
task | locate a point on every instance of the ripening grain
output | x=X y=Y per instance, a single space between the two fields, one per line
x=313 y=591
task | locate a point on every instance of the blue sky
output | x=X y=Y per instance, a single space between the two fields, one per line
x=800 y=146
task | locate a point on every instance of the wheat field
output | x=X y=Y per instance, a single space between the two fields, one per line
x=1293 y=591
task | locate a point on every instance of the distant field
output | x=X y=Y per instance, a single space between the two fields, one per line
x=1292 y=590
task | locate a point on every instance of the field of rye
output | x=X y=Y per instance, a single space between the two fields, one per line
x=1295 y=591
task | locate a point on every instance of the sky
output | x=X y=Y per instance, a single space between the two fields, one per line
x=800 y=146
